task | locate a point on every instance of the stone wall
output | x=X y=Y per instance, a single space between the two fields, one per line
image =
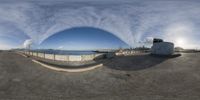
x=66 y=57
x=75 y=58
x=49 y=56
x=62 y=57
x=87 y=57
x=41 y=55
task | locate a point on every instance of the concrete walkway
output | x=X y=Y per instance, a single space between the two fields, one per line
x=64 y=66
x=66 y=69
x=165 y=79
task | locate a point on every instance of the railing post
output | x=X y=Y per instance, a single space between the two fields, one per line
x=54 y=56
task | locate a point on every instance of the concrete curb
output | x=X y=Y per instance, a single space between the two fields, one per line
x=67 y=70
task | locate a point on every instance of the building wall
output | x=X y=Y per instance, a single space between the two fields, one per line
x=163 y=48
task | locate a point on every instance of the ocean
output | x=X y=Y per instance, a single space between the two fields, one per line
x=66 y=52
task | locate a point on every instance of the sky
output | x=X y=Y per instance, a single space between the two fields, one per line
x=131 y=21
x=83 y=38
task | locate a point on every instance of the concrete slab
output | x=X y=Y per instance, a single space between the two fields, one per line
x=138 y=77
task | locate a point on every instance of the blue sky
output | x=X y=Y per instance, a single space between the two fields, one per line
x=83 y=38
x=132 y=21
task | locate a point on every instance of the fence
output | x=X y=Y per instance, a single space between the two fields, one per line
x=65 y=57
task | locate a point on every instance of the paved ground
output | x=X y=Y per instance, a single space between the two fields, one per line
x=142 y=77
x=66 y=64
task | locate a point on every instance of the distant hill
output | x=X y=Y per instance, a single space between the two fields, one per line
x=178 y=49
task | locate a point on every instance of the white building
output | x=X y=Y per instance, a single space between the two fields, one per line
x=162 y=48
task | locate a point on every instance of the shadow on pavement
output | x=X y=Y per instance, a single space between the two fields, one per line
x=136 y=62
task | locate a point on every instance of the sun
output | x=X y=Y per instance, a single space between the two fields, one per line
x=180 y=42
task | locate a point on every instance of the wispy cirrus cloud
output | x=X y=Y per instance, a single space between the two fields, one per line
x=130 y=20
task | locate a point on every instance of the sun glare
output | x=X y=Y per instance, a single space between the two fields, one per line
x=180 y=42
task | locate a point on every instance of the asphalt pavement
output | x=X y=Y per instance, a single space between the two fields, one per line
x=139 y=77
